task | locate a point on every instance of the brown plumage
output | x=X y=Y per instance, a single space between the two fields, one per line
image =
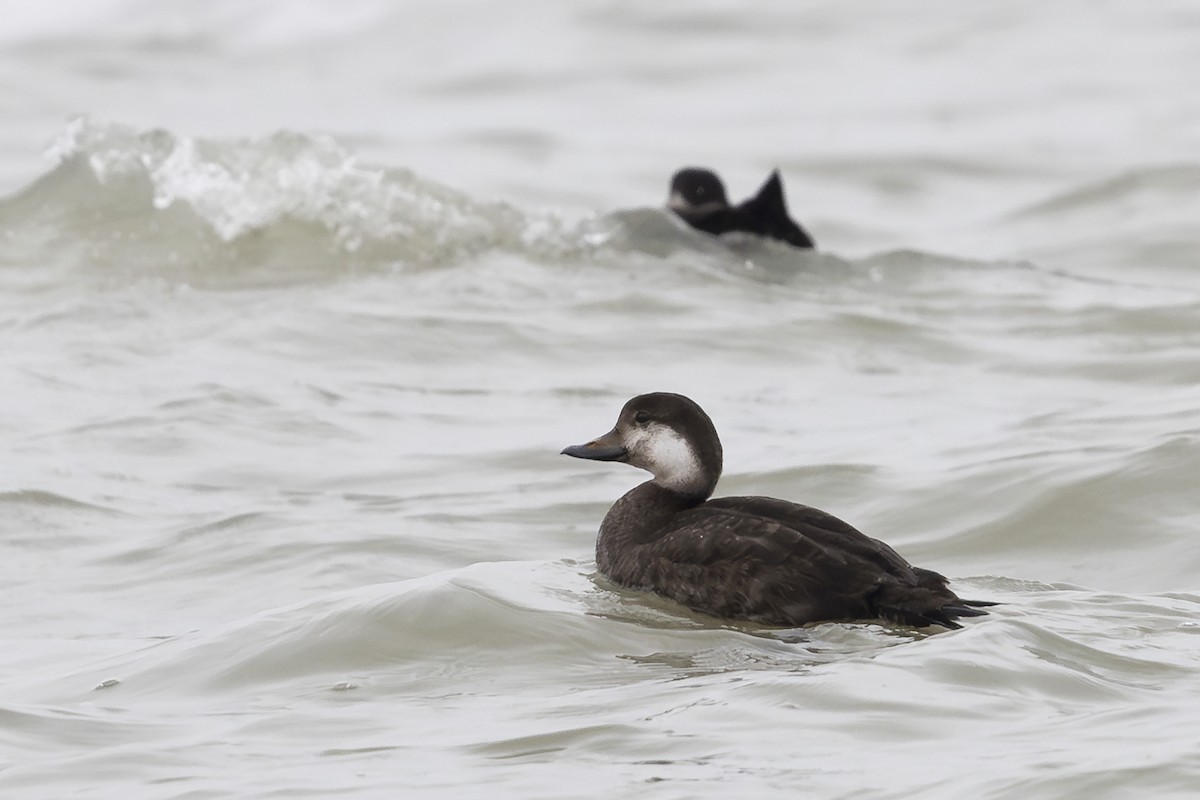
x=755 y=558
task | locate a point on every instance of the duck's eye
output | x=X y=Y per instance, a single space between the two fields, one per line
x=641 y=417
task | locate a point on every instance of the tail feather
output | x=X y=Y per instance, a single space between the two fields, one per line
x=770 y=197
x=939 y=615
x=769 y=208
x=917 y=619
x=963 y=611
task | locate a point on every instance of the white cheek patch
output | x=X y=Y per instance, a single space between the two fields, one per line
x=667 y=456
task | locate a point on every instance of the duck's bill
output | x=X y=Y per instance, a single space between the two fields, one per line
x=606 y=448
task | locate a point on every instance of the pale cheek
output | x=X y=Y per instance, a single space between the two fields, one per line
x=673 y=457
x=639 y=441
x=670 y=458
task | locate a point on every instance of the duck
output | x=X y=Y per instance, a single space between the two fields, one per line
x=759 y=559
x=698 y=197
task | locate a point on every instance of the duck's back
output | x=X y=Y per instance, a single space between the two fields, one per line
x=781 y=563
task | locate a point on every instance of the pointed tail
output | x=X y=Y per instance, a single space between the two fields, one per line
x=770 y=207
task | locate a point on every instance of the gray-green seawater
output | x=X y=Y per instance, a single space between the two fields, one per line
x=305 y=298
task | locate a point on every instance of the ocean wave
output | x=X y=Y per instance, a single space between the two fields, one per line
x=488 y=618
x=292 y=206
x=489 y=621
x=292 y=201
x=1142 y=217
x=1156 y=190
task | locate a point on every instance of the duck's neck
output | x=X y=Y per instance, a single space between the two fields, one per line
x=637 y=518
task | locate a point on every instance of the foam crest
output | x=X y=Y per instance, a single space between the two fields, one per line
x=240 y=186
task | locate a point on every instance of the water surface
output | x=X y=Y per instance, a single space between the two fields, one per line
x=301 y=302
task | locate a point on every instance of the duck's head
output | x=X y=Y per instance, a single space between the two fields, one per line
x=695 y=190
x=667 y=435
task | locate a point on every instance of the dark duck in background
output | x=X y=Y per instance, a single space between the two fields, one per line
x=753 y=558
x=698 y=197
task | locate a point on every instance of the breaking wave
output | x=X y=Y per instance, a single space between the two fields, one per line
x=297 y=203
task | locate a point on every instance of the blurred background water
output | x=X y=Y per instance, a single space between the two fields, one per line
x=301 y=300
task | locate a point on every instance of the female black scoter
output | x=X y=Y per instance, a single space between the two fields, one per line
x=753 y=558
x=698 y=197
